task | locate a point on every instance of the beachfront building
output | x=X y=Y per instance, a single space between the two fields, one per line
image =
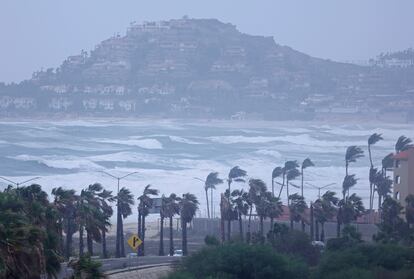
x=403 y=175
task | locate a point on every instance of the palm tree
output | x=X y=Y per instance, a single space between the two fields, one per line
x=387 y=163
x=263 y=205
x=403 y=143
x=297 y=209
x=65 y=203
x=256 y=188
x=236 y=174
x=188 y=207
x=325 y=210
x=384 y=186
x=409 y=210
x=145 y=203
x=349 y=210
x=353 y=153
x=373 y=139
x=290 y=175
x=289 y=166
x=212 y=180
x=125 y=200
x=241 y=205
x=277 y=172
x=349 y=182
x=163 y=215
x=105 y=200
x=171 y=208
x=305 y=164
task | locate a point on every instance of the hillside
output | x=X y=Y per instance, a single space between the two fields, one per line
x=206 y=68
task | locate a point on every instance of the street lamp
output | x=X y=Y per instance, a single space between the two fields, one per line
x=320 y=188
x=19 y=183
x=118 y=215
x=211 y=197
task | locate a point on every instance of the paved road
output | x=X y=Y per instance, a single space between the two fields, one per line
x=145 y=273
x=124 y=263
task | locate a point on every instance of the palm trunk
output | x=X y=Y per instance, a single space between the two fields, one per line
x=291 y=224
x=371 y=197
x=303 y=225
x=161 y=250
x=69 y=235
x=229 y=216
x=272 y=223
x=211 y=200
x=241 y=227
x=287 y=191
x=143 y=236
x=317 y=231
x=208 y=207
x=312 y=233
x=89 y=243
x=283 y=185
x=273 y=187
x=184 y=237
x=301 y=188
x=379 y=205
x=80 y=241
x=139 y=230
x=104 y=250
x=249 y=233
x=171 y=237
x=118 y=232
x=323 y=232
x=261 y=227
x=121 y=239
x=223 y=234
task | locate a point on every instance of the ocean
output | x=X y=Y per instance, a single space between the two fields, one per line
x=169 y=154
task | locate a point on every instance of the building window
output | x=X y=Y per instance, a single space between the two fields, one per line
x=397 y=179
x=397 y=164
x=397 y=196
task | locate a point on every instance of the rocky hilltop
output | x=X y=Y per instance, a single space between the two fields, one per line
x=206 y=68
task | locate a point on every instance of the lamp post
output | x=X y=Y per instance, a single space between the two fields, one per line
x=119 y=229
x=19 y=183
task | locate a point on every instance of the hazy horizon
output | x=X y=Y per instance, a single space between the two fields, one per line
x=42 y=34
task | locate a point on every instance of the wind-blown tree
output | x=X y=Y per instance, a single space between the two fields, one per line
x=168 y=209
x=384 y=186
x=325 y=209
x=171 y=209
x=105 y=199
x=289 y=166
x=256 y=189
x=240 y=200
x=65 y=202
x=86 y=208
x=305 y=164
x=277 y=172
x=188 y=207
x=349 y=210
x=353 y=153
x=349 y=182
x=262 y=205
x=145 y=203
x=292 y=174
x=275 y=209
x=297 y=209
x=212 y=180
x=236 y=174
x=126 y=201
x=403 y=143
x=373 y=139
x=387 y=163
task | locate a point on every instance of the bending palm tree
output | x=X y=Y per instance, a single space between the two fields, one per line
x=403 y=143
x=277 y=172
x=256 y=188
x=188 y=207
x=125 y=200
x=325 y=209
x=289 y=166
x=297 y=209
x=373 y=139
x=171 y=208
x=241 y=205
x=236 y=174
x=305 y=164
x=145 y=203
x=353 y=153
x=212 y=180
x=387 y=163
x=292 y=174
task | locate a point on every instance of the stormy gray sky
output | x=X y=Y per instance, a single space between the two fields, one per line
x=42 y=33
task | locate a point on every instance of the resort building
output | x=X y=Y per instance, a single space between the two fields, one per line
x=403 y=175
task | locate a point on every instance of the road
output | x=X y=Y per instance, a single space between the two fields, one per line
x=124 y=263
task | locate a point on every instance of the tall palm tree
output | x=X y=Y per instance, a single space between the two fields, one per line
x=263 y=206
x=188 y=207
x=65 y=203
x=256 y=188
x=373 y=139
x=212 y=180
x=145 y=203
x=297 y=209
x=105 y=200
x=387 y=163
x=325 y=210
x=384 y=186
x=305 y=164
x=126 y=201
x=292 y=174
x=241 y=205
x=289 y=166
x=349 y=182
x=163 y=215
x=277 y=172
x=171 y=209
x=353 y=153
x=403 y=143
x=349 y=210
x=236 y=174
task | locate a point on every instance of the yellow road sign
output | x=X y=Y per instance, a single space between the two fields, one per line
x=134 y=242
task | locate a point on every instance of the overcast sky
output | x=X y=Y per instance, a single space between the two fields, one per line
x=42 y=33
